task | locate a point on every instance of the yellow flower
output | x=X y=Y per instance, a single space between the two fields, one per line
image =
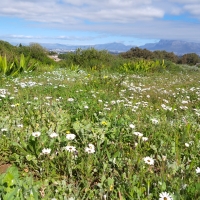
x=104 y=123
x=17 y=104
x=67 y=132
x=111 y=187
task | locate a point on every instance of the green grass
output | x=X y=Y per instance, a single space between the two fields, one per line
x=99 y=109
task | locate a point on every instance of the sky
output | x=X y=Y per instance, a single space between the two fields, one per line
x=88 y=22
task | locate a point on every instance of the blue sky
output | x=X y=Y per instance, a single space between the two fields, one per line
x=87 y=22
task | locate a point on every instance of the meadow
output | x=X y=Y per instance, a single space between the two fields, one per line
x=75 y=133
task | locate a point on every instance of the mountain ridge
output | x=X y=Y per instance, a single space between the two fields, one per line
x=178 y=47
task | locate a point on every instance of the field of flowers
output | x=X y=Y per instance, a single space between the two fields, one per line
x=76 y=135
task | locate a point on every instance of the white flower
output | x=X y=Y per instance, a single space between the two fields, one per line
x=148 y=160
x=4 y=129
x=70 y=148
x=46 y=151
x=53 y=135
x=70 y=136
x=70 y=99
x=187 y=145
x=165 y=196
x=145 y=139
x=20 y=125
x=138 y=134
x=132 y=126
x=198 y=170
x=48 y=98
x=136 y=144
x=89 y=150
x=154 y=121
x=91 y=146
x=86 y=107
x=36 y=134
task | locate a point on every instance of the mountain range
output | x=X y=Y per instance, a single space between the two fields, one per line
x=177 y=46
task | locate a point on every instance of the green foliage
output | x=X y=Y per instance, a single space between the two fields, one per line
x=16 y=67
x=143 y=66
x=190 y=59
x=12 y=187
x=89 y=58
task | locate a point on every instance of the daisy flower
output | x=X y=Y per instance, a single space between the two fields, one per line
x=165 y=196
x=90 y=148
x=144 y=139
x=138 y=134
x=148 y=160
x=198 y=170
x=53 y=135
x=36 y=134
x=132 y=126
x=46 y=151
x=70 y=136
x=70 y=99
x=70 y=148
x=4 y=129
x=154 y=121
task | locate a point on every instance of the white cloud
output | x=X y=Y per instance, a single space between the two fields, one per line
x=194 y=9
x=123 y=17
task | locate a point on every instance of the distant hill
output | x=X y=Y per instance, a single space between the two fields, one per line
x=113 y=47
x=177 y=46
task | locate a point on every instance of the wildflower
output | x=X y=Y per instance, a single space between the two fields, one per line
x=154 y=121
x=4 y=129
x=48 y=98
x=111 y=187
x=138 y=134
x=46 y=151
x=187 y=144
x=165 y=196
x=148 y=160
x=198 y=170
x=104 y=123
x=90 y=149
x=36 y=134
x=132 y=126
x=86 y=107
x=70 y=99
x=70 y=148
x=144 y=139
x=70 y=136
x=20 y=125
x=53 y=135
x=91 y=146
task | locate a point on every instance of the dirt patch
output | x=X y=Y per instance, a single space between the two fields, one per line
x=4 y=167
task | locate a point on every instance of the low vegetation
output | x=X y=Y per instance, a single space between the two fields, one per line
x=98 y=126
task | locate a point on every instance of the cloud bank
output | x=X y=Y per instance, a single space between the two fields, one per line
x=144 y=19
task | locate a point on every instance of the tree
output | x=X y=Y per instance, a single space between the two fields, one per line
x=190 y=59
